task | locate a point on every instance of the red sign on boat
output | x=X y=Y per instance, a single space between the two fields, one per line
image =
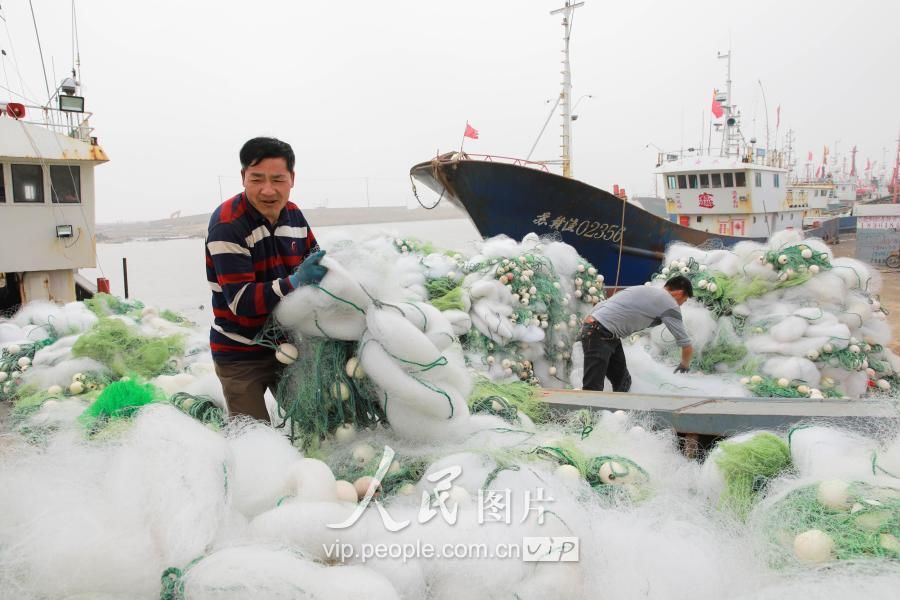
x=706 y=200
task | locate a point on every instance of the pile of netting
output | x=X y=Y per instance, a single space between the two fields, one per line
x=786 y=317
x=814 y=494
x=148 y=501
x=409 y=452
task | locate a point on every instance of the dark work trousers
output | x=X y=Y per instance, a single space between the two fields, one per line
x=603 y=357
x=244 y=383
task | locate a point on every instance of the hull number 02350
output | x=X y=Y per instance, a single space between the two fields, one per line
x=587 y=229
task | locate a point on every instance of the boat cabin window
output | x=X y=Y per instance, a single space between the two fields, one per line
x=682 y=182
x=2 y=185
x=672 y=182
x=65 y=184
x=28 y=184
x=716 y=179
x=776 y=179
x=754 y=219
x=729 y=179
x=704 y=180
x=740 y=179
x=699 y=218
x=757 y=179
x=692 y=179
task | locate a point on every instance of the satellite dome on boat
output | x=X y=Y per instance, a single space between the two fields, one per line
x=69 y=86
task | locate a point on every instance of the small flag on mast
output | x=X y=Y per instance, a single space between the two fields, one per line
x=778 y=117
x=717 y=109
x=471 y=132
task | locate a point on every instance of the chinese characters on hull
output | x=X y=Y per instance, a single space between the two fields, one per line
x=584 y=228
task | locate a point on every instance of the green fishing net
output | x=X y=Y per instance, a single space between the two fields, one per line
x=866 y=526
x=104 y=305
x=316 y=395
x=852 y=358
x=770 y=387
x=604 y=473
x=725 y=349
x=511 y=398
x=12 y=356
x=451 y=300
x=412 y=245
x=401 y=472
x=440 y=286
x=748 y=466
x=797 y=259
x=15 y=359
x=172 y=316
x=120 y=400
x=202 y=408
x=719 y=352
x=124 y=351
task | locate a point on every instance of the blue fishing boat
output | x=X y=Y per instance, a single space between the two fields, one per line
x=713 y=197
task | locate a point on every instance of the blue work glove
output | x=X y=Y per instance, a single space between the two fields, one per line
x=309 y=271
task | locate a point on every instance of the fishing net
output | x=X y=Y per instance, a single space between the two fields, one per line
x=444 y=296
x=403 y=471
x=316 y=394
x=853 y=520
x=124 y=351
x=721 y=352
x=104 y=305
x=772 y=387
x=787 y=307
x=512 y=398
x=603 y=473
x=747 y=467
x=120 y=400
x=797 y=259
x=202 y=408
x=173 y=317
x=414 y=246
x=16 y=359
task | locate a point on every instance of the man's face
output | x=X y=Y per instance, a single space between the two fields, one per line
x=679 y=296
x=268 y=186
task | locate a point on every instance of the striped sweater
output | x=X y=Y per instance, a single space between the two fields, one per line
x=248 y=263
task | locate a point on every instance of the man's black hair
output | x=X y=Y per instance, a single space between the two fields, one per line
x=261 y=148
x=680 y=282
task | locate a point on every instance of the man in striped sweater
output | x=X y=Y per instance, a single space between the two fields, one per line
x=259 y=247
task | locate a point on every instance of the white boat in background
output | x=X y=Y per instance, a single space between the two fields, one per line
x=47 y=159
x=737 y=190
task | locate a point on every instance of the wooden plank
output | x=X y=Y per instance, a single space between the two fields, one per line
x=726 y=416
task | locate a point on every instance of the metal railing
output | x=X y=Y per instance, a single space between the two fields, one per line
x=521 y=162
x=71 y=124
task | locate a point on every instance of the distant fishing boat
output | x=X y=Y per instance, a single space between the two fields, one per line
x=717 y=200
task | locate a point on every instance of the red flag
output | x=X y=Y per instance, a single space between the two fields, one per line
x=778 y=117
x=810 y=157
x=717 y=109
x=471 y=132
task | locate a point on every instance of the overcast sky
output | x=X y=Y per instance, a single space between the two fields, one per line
x=363 y=89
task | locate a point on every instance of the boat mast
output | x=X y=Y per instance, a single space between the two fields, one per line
x=729 y=119
x=565 y=95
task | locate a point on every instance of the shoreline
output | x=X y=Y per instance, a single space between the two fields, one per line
x=194 y=226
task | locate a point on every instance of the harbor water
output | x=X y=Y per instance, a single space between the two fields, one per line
x=171 y=273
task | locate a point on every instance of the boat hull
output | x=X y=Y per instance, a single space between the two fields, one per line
x=624 y=242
